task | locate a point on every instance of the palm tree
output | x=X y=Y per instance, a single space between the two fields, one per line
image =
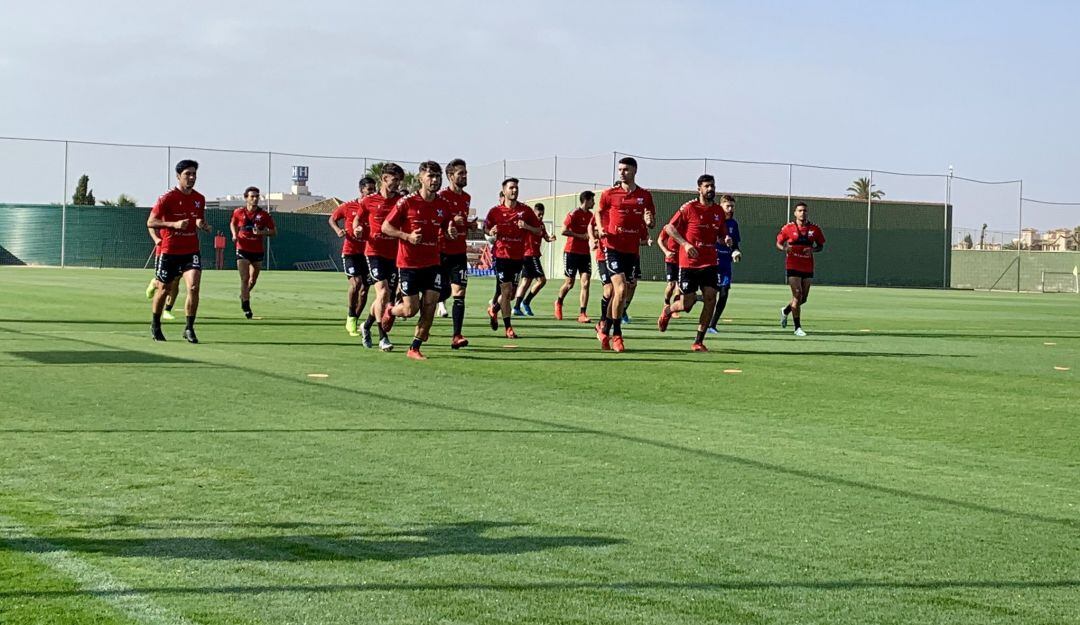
x=863 y=189
x=408 y=184
x=982 y=236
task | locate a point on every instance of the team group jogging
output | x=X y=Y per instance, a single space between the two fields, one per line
x=405 y=253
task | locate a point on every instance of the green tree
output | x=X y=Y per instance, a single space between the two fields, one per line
x=84 y=195
x=968 y=243
x=123 y=200
x=863 y=189
x=409 y=183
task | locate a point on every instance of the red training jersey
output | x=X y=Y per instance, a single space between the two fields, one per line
x=509 y=238
x=373 y=211
x=459 y=205
x=577 y=221
x=350 y=245
x=622 y=217
x=246 y=222
x=702 y=225
x=175 y=206
x=533 y=241
x=414 y=213
x=800 y=240
x=666 y=241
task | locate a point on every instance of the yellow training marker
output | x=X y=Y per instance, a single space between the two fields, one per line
x=318 y=375
x=732 y=370
x=1051 y=344
x=865 y=330
x=728 y=320
x=1061 y=368
x=509 y=346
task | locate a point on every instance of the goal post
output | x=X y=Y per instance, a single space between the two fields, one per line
x=1060 y=281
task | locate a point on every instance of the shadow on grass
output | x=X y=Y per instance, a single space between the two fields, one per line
x=468 y=538
x=840 y=585
x=286 y=431
x=411 y=403
x=100 y=357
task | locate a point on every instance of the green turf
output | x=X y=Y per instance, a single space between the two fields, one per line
x=926 y=471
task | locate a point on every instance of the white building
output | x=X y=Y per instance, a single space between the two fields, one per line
x=298 y=197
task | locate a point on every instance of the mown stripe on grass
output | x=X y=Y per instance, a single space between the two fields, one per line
x=92 y=580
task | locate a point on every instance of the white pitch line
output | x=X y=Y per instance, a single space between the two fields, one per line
x=93 y=580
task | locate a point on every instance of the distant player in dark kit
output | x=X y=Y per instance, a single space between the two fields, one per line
x=353 y=261
x=454 y=256
x=799 y=240
x=416 y=222
x=176 y=215
x=250 y=225
x=696 y=227
x=725 y=256
x=626 y=213
x=532 y=269
x=380 y=249
x=509 y=222
x=579 y=230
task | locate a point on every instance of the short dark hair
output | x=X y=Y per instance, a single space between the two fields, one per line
x=187 y=163
x=628 y=160
x=703 y=178
x=584 y=196
x=539 y=206
x=365 y=181
x=393 y=169
x=509 y=180
x=454 y=165
x=430 y=167
x=250 y=189
x=727 y=198
x=798 y=204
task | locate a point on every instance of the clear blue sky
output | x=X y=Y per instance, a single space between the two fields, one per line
x=989 y=87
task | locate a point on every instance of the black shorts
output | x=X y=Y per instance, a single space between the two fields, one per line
x=671 y=271
x=601 y=268
x=629 y=265
x=380 y=268
x=507 y=270
x=532 y=268
x=355 y=265
x=574 y=264
x=417 y=280
x=251 y=257
x=172 y=266
x=455 y=270
x=795 y=273
x=690 y=280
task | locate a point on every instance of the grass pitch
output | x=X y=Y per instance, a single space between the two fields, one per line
x=914 y=460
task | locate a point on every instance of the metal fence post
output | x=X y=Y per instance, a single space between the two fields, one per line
x=269 y=183
x=554 y=210
x=869 y=203
x=1020 y=232
x=706 y=166
x=63 y=210
x=790 y=167
x=948 y=233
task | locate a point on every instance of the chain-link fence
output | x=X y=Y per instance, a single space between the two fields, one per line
x=884 y=228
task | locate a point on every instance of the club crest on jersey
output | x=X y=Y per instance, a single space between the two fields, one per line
x=197 y=202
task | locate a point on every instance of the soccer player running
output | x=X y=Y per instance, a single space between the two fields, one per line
x=578 y=229
x=170 y=298
x=454 y=252
x=380 y=249
x=531 y=267
x=799 y=240
x=626 y=213
x=508 y=222
x=176 y=215
x=416 y=221
x=353 y=260
x=671 y=264
x=725 y=256
x=696 y=227
x=250 y=225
